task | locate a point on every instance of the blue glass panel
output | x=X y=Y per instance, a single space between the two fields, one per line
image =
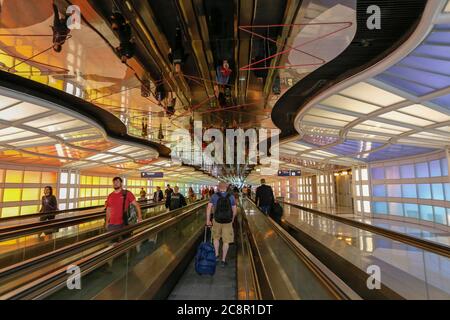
x=426 y=212
x=438 y=191
x=394 y=190
x=377 y=173
x=422 y=170
x=435 y=51
x=427 y=64
x=424 y=191
x=435 y=168
x=443 y=101
x=444 y=167
x=397 y=151
x=440 y=215
x=396 y=209
x=410 y=87
x=411 y=210
x=426 y=79
x=409 y=191
x=353 y=146
x=439 y=36
x=379 y=190
x=447 y=191
x=407 y=171
x=380 y=207
x=392 y=172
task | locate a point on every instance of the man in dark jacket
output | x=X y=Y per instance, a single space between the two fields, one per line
x=264 y=197
x=175 y=200
x=158 y=195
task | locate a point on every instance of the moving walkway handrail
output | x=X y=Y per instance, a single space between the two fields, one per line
x=57 y=212
x=34 y=227
x=333 y=283
x=70 y=250
x=434 y=247
x=43 y=286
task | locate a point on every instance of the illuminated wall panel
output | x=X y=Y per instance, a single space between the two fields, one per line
x=412 y=188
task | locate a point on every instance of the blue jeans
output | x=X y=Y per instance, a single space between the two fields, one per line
x=265 y=209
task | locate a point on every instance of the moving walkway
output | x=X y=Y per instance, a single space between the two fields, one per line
x=154 y=258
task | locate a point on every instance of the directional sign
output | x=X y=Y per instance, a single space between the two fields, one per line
x=289 y=173
x=152 y=175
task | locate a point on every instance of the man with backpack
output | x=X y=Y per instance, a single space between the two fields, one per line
x=175 y=200
x=264 y=197
x=118 y=201
x=225 y=211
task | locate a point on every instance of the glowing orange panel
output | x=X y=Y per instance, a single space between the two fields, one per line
x=49 y=177
x=2 y=175
x=14 y=176
x=31 y=177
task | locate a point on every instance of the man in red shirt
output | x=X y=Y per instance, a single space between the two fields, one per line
x=114 y=206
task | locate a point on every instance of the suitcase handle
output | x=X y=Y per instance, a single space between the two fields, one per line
x=206 y=231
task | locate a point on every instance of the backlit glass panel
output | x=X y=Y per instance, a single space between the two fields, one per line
x=424 y=191
x=426 y=212
x=407 y=171
x=411 y=210
x=409 y=191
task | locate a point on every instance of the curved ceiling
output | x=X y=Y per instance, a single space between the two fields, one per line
x=402 y=111
x=399 y=19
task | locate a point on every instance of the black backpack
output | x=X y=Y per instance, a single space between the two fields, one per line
x=223 y=212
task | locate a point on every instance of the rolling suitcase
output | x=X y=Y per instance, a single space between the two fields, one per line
x=205 y=259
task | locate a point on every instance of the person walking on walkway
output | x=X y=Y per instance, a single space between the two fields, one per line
x=264 y=197
x=158 y=195
x=175 y=200
x=118 y=201
x=225 y=211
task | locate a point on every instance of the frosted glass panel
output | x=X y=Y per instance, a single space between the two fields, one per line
x=409 y=191
x=411 y=210
x=435 y=168
x=377 y=173
x=396 y=209
x=440 y=215
x=438 y=191
x=407 y=171
x=379 y=190
x=424 y=191
x=380 y=207
x=392 y=172
x=394 y=190
x=426 y=212
x=422 y=170
x=444 y=167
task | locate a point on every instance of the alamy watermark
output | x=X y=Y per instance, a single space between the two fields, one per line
x=374 y=21
x=228 y=146
x=374 y=280
x=73 y=282
x=73 y=13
